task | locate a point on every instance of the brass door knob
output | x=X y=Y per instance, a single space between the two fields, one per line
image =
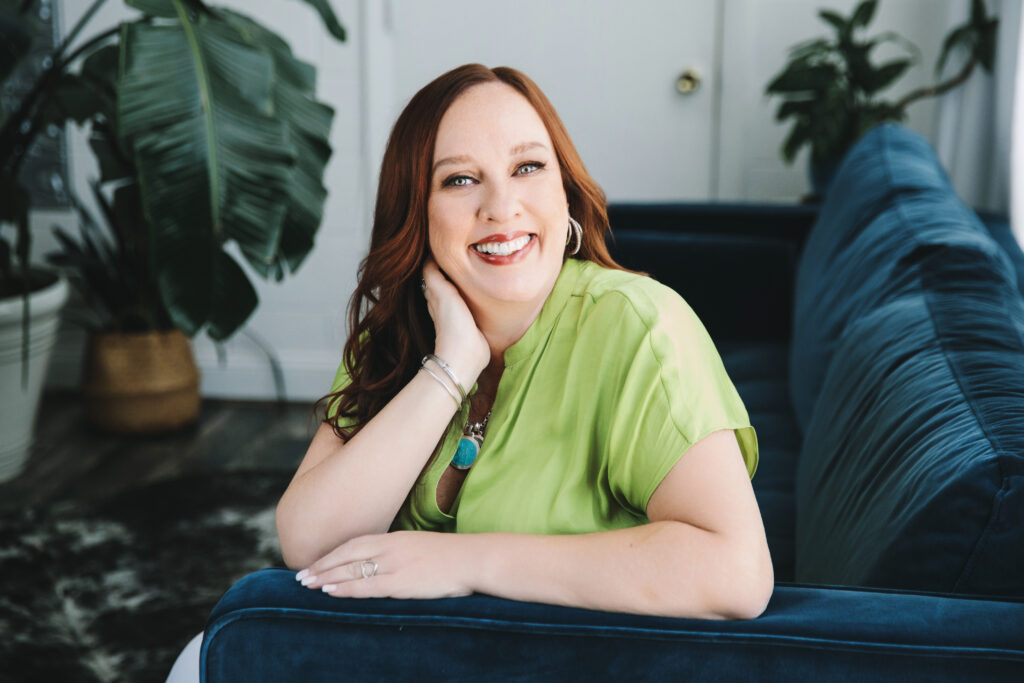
x=688 y=82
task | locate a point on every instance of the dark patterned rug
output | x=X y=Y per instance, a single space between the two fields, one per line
x=114 y=591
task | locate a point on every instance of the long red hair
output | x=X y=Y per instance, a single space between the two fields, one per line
x=387 y=306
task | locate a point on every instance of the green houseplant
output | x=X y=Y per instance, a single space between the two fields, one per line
x=831 y=88
x=207 y=132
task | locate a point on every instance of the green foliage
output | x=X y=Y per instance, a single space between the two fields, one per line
x=830 y=86
x=207 y=131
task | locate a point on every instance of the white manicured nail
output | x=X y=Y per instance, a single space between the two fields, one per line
x=328 y=588
x=301 y=575
x=308 y=580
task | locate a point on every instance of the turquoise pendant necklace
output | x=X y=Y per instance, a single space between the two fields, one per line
x=470 y=443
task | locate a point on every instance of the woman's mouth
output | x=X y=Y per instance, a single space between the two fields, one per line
x=503 y=253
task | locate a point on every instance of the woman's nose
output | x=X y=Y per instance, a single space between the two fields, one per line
x=500 y=203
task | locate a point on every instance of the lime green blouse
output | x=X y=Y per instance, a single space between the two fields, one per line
x=600 y=397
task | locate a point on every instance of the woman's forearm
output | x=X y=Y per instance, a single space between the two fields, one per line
x=358 y=488
x=663 y=568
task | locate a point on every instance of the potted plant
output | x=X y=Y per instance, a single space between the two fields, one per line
x=830 y=87
x=207 y=132
x=30 y=296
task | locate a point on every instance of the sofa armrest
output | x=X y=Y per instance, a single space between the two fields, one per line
x=733 y=263
x=268 y=627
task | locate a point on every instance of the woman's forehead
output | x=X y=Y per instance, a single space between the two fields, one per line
x=491 y=117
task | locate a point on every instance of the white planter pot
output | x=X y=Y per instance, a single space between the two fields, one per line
x=18 y=403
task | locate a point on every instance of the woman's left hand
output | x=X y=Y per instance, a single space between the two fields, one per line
x=410 y=564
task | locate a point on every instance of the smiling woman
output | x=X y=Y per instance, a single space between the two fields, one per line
x=597 y=454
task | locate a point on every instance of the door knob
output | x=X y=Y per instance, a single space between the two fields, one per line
x=688 y=82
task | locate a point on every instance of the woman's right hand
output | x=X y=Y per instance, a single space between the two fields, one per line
x=458 y=342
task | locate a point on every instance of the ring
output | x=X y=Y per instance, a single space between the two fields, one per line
x=369 y=568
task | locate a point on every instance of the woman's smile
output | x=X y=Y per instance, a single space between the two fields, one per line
x=504 y=250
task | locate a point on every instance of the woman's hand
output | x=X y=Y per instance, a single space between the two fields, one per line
x=410 y=564
x=459 y=342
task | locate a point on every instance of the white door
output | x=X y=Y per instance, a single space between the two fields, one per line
x=609 y=67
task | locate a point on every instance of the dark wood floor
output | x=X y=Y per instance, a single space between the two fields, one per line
x=70 y=459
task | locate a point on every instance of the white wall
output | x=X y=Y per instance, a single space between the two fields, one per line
x=724 y=146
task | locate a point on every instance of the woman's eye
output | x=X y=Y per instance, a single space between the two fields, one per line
x=457 y=181
x=536 y=165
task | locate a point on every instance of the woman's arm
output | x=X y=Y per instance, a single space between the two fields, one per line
x=703 y=555
x=345 y=490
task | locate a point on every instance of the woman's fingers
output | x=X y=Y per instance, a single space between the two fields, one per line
x=346 y=572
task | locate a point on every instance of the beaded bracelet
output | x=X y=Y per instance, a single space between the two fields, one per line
x=458 y=404
x=448 y=371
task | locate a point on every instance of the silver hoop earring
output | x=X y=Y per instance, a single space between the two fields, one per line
x=574 y=229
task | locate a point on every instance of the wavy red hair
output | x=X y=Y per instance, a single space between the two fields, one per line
x=387 y=305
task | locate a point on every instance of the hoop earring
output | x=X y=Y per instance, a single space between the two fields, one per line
x=574 y=229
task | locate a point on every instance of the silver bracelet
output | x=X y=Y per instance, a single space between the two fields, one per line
x=458 y=405
x=448 y=371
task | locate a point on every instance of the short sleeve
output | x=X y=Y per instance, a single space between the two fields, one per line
x=341 y=380
x=673 y=391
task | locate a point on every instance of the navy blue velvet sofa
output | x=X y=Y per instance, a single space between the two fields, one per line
x=878 y=343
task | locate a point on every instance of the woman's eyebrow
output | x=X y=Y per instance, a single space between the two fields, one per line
x=462 y=159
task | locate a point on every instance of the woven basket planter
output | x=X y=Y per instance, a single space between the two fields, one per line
x=140 y=383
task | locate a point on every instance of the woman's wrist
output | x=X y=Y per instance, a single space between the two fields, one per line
x=439 y=379
x=466 y=372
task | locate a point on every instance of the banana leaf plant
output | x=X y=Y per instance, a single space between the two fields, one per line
x=830 y=87
x=208 y=129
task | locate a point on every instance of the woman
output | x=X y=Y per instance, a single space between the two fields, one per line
x=586 y=383
x=515 y=385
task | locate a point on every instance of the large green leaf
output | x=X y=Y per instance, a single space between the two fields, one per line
x=834 y=18
x=885 y=75
x=217 y=120
x=959 y=38
x=800 y=78
x=308 y=129
x=986 y=47
x=864 y=12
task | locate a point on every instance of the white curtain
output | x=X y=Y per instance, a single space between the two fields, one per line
x=975 y=122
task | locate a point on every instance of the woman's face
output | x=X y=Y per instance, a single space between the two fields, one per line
x=496 y=187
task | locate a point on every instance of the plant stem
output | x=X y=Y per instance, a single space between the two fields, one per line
x=9 y=133
x=938 y=89
x=78 y=28
x=26 y=138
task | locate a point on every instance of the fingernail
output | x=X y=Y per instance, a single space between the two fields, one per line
x=308 y=580
x=301 y=575
x=328 y=588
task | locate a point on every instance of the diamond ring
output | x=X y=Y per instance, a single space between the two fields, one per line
x=369 y=568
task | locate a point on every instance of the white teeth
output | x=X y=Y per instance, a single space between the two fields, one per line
x=503 y=248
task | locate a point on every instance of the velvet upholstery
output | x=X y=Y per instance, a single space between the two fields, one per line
x=759 y=372
x=889 y=197
x=916 y=448
x=270 y=628
x=913 y=358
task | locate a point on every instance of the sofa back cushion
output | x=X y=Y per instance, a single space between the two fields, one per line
x=890 y=195
x=912 y=468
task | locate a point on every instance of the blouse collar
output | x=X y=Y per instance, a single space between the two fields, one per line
x=552 y=308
